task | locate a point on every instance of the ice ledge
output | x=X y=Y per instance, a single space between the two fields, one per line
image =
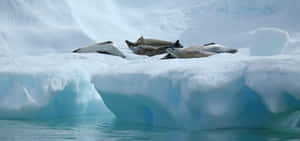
x=215 y=92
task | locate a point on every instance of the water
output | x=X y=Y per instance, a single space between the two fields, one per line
x=109 y=129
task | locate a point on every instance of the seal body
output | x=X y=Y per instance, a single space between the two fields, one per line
x=198 y=51
x=103 y=48
x=153 y=42
x=190 y=52
x=151 y=47
x=215 y=48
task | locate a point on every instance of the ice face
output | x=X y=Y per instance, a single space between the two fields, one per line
x=216 y=92
x=39 y=87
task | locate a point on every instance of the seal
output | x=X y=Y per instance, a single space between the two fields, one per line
x=190 y=52
x=151 y=47
x=107 y=47
x=150 y=50
x=216 y=48
x=198 y=51
x=153 y=42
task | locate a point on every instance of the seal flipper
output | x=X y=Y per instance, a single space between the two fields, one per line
x=107 y=42
x=233 y=51
x=172 y=51
x=208 y=44
x=168 y=56
x=76 y=51
x=130 y=44
x=104 y=52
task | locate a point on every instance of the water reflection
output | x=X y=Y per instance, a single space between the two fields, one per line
x=95 y=128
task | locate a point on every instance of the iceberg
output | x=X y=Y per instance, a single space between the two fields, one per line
x=255 y=88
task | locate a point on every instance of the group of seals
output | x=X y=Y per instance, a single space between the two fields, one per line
x=152 y=47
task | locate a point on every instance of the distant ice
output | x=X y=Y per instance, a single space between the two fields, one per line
x=268 y=41
x=39 y=27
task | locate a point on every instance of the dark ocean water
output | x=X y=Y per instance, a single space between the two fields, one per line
x=109 y=129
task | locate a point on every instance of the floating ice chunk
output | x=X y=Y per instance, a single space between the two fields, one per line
x=268 y=41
